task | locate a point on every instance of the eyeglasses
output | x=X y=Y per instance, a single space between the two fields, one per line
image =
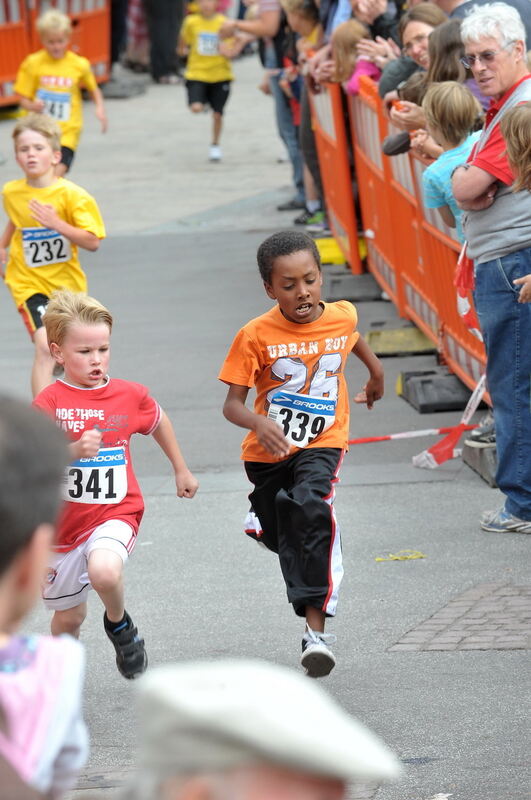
x=487 y=57
x=416 y=41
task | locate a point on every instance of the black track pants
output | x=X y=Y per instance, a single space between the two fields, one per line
x=294 y=516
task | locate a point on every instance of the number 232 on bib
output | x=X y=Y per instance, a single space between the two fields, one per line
x=302 y=418
x=99 y=480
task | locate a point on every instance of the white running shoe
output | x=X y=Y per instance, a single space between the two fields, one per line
x=317 y=658
x=214 y=154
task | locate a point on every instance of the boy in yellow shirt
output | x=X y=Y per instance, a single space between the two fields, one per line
x=49 y=81
x=49 y=218
x=208 y=71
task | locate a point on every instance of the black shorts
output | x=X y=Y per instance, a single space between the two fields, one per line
x=213 y=94
x=67 y=156
x=32 y=311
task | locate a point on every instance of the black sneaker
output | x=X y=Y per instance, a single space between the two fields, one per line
x=484 y=435
x=131 y=656
x=303 y=218
x=317 y=658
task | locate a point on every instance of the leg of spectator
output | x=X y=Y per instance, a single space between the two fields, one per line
x=307 y=144
x=288 y=134
x=506 y=327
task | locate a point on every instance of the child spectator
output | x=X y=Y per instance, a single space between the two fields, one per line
x=303 y=20
x=349 y=65
x=42 y=734
x=295 y=356
x=50 y=81
x=208 y=71
x=515 y=127
x=49 y=218
x=104 y=505
x=452 y=114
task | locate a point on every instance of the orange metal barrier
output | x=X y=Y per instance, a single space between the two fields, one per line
x=90 y=31
x=367 y=126
x=411 y=252
x=15 y=44
x=332 y=148
x=462 y=351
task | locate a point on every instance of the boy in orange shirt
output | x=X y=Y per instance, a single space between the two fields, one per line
x=295 y=356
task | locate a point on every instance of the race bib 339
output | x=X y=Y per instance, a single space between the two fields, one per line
x=302 y=418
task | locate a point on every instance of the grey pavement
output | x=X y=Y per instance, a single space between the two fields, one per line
x=178 y=271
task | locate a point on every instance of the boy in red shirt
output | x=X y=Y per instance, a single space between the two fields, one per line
x=295 y=356
x=104 y=506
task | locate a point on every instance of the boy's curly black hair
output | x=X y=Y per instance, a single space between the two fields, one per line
x=283 y=243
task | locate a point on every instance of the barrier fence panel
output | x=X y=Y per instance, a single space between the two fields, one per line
x=332 y=148
x=410 y=250
x=90 y=31
x=419 y=296
x=463 y=352
x=372 y=183
x=15 y=44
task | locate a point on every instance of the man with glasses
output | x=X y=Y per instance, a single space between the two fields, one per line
x=497 y=226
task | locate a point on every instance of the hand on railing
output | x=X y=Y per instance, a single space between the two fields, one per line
x=407 y=116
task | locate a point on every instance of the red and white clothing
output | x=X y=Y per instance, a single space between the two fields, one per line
x=104 y=487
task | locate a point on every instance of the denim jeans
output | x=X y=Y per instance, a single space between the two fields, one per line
x=286 y=128
x=506 y=328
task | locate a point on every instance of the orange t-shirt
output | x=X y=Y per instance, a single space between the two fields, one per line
x=277 y=356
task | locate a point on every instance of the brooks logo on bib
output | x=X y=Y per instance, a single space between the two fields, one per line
x=44 y=246
x=56 y=104
x=101 y=479
x=302 y=418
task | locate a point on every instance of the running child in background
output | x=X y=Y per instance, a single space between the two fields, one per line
x=452 y=117
x=103 y=503
x=294 y=355
x=42 y=734
x=50 y=81
x=208 y=71
x=49 y=218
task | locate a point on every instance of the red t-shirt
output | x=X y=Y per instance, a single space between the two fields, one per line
x=493 y=156
x=104 y=487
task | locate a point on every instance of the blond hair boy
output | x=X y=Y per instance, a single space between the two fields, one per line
x=50 y=80
x=49 y=219
x=103 y=502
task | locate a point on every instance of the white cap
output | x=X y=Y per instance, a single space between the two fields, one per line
x=212 y=716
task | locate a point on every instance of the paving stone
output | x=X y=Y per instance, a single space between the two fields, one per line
x=489 y=616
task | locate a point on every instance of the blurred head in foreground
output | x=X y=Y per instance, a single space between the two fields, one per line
x=248 y=730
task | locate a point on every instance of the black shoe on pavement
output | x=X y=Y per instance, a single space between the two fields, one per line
x=303 y=218
x=131 y=656
x=291 y=205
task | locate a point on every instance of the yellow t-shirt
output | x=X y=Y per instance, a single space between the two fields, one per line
x=57 y=81
x=279 y=357
x=204 y=61
x=40 y=259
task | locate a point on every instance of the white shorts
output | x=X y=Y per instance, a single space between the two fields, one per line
x=67 y=584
